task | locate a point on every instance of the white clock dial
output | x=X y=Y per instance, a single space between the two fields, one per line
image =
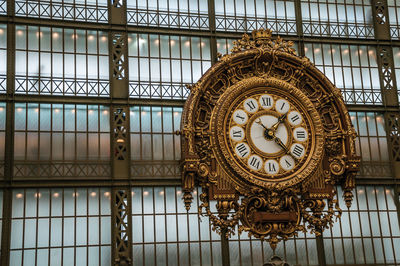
x=240 y=117
x=294 y=118
x=282 y=106
x=297 y=150
x=300 y=134
x=287 y=162
x=257 y=136
x=242 y=150
x=255 y=162
x=250 y=105
x=266 y=101
x=236 y=133
x=271 y=167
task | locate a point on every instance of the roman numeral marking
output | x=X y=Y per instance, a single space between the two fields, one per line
x=255 y=162
x=237 y=134
x=242 y=149
x=266 y=101
x=283 y=104
x=251 y=105
x=288 y=164
x=271 y=167
x=301 y=134
x=241 y=117
x=295 y=118
x=297 y=150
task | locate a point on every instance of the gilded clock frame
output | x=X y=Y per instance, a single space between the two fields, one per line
x=273 y=210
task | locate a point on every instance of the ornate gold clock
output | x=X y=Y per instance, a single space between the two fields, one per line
x=264 y=125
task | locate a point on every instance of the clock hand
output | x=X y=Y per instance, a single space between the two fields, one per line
x=280 y=120
x=258 y=121
x=283 y=146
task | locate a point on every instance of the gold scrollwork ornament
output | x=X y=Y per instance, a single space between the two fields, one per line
x=267 y=137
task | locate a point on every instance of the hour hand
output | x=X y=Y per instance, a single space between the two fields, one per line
x=280 y=120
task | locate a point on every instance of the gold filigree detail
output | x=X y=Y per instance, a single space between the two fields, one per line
x=273 y=210
x=263 y=39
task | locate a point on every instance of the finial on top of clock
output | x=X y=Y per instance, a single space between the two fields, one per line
x=261 y=34
x=262 y=38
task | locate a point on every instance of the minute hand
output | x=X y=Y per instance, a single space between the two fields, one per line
x=280 y=143
x=280 y=120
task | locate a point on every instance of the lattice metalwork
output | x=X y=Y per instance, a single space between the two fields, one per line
x=120 y=134
x=61 y=226
x=3 y=57
x=352 y=68
x=57 y=61
x=121 y=228
x=243 y=16
x=368 y=233
x=155 y=148
x=86 y=10
x=118 y=55
x=388 y=80
x=393 y=120
x=371 y=145
x=352 y=19
x=161 y=65
x=184 y=14
x=61 y=140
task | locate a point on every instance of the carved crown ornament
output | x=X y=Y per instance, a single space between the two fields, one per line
x=267 y=137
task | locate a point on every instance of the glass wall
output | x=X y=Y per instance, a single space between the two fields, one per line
x=56 y=140
x=57 y=61
x=65 y=226
x=160 y=65
x=60 y=171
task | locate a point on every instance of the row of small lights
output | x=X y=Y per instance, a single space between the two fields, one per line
x=172 y=42
x=94 y=194
x=56 y=194
x=346 y=51
x=133 y=113
x=56 y=35
x=157 y=42
x=19 y=109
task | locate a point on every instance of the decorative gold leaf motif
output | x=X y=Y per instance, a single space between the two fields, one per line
x=269 y=206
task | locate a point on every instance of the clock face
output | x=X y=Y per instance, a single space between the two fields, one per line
x=269 y=133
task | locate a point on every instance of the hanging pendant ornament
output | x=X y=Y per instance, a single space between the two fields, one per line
x=267 y=137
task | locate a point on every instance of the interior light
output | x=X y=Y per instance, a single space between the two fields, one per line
x=161 y=193
x=172 y=42
x=1 y=31
x=156 y=42
x=20 y=33
x=75 y=194
x=19 y=195
x=107 y=194
x=93 y=194
x=187 y=43
x=145 y=193
x=56 y=194
x=103 y=38
x=38 y=195
x=55 y=35
x=1 y=109
x=90 y=37
x=39 y=34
